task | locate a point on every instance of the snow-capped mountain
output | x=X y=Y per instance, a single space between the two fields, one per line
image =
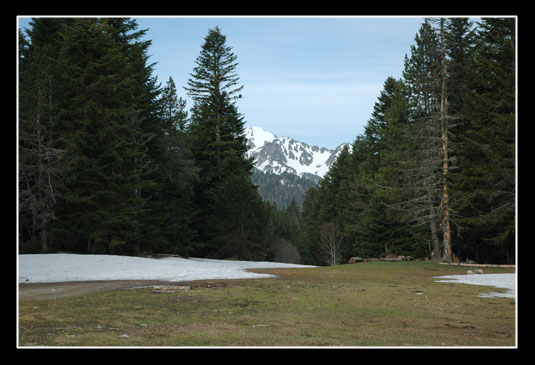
x=285 y=168
x=278 y=155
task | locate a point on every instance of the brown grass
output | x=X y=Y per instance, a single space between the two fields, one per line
x=365 y=304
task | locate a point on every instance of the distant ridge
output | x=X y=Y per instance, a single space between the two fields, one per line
x=286 y=168
x=284 y=154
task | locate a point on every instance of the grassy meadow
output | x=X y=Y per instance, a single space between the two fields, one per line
x=364 y=304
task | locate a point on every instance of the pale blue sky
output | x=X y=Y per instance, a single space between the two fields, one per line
x=315 y=79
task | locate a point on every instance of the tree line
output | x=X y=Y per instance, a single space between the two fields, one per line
x=433 y=174
x=112 y=161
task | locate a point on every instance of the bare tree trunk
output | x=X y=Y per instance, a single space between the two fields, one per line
x=434 y=238
x=331 y=244
x=446 y=226
x=434 y=233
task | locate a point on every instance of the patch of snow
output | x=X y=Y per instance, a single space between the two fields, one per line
x=259 y=136
x=41 y=268
x=505 y=281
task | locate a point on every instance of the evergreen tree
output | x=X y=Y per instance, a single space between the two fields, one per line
x=173 y=109
x=459 y=43
x=217 y=141
x=423 y=177
x=39 y=153
x=240 y=220
x=459 y=38
x=104 y=135
x=328 y=206
x=310 y=223
x=111 y=162
x=332 y=186
x=485 y=184
x=103 y=161
x=438 y=152
x=389 y=185
x=171 y=206
x=288 y=223
x=379 y=227
x=377 y=123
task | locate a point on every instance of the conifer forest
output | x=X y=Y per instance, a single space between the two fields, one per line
x=113 y=161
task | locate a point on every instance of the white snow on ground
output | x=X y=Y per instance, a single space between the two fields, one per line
x=505 y=281
x=41 y=268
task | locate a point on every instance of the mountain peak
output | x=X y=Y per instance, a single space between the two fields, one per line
x=257 y=136
x=278 y=155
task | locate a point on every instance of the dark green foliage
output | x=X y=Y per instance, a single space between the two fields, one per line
x=39 y=154
x=288 y=223
x=111 y=162
x=387 y=195
x=328 y=205
x=310 y=227
x=230 y=215
x=355 y=192
x=107 y=142
x=103 y=136
x=282 y=189
x=238 y=221
x=170 y=207
x=485 y=182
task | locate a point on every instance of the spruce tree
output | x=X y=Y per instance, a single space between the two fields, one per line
x=310 y=223
x=227 y=203
x=170 y=207
x=389 y=184
x=423 y=175
x=459 y=50
x=105 y=134
x=485 y=185
x=40 y=173
x=379 y=227
x=438 y=152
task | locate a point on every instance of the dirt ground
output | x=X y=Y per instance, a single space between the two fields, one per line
x=47 y=291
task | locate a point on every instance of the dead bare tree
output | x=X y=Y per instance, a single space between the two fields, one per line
x=425 y=174
x=38 y=167
x=446 y=225
x=330 y=244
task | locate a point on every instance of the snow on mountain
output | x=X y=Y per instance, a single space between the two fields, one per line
x=284 y=154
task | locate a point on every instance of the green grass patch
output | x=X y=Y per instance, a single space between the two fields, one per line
x=365 y=304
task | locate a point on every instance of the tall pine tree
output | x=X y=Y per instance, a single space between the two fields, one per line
x=39 y=152
x=423 y=176
x=227 y=203
x=104 y=128
x=170 y=208
x=485 y=184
